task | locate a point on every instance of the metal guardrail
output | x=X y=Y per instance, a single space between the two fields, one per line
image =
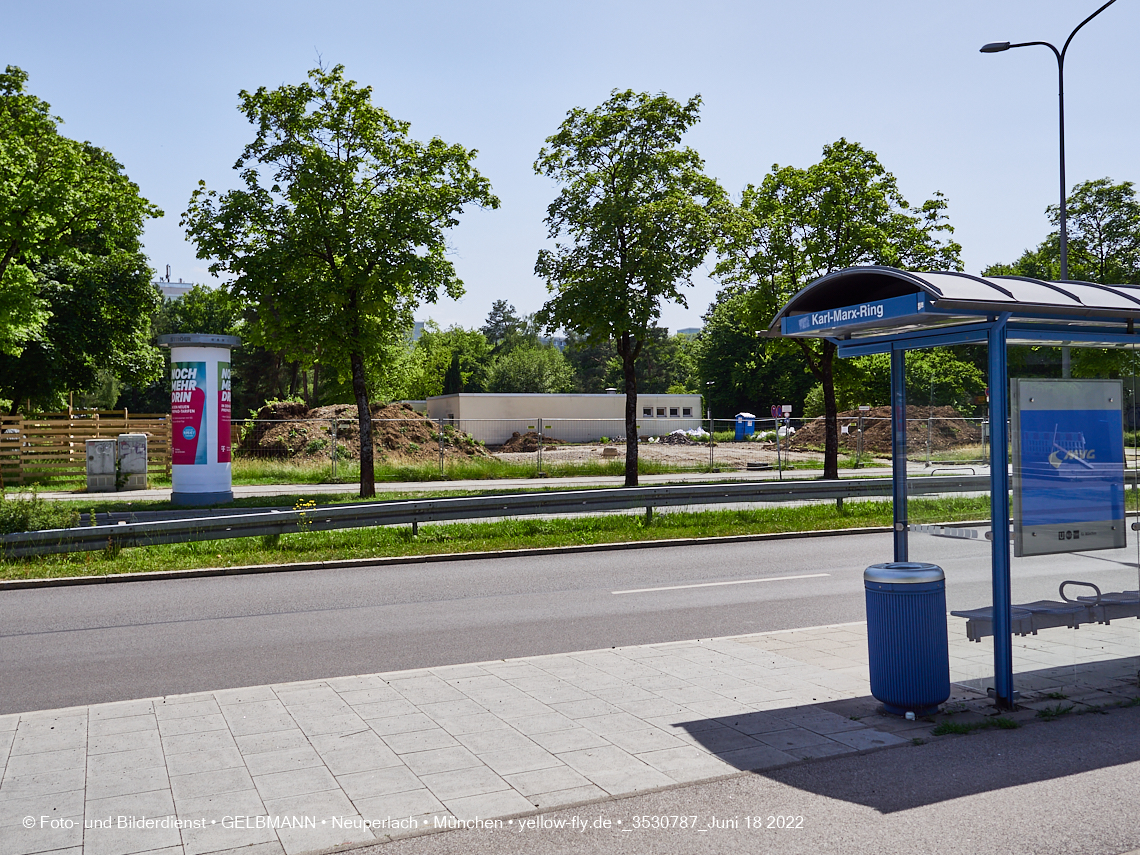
x=275 y=522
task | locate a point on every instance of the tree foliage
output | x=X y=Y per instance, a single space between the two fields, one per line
x=1104 y=247
x=535 y=369
x=741 y=372
x=60 y=200
x=343 y=234
x=937 y=376
x=800 y=224
x=463 y=354
x=75 y=292
x=213 y=311
x=505 y=328
x=634 y=218
x=97 y=332
x=1103 y=238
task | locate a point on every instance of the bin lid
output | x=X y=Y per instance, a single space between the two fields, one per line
x=903 y=572
x=745 y=416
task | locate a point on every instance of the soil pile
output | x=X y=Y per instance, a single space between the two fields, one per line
x=290 y=430
x=945 y=425
x=527 y=442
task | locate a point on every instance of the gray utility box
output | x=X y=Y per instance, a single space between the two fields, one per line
x=101 y=468
x=132 y=461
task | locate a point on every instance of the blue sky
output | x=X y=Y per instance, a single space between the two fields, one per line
x=156 y=83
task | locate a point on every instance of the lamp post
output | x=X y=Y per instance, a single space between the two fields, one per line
x=999 y=47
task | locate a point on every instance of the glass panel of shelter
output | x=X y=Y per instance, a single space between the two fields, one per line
x=946 y=436
x=1074 y=639
x=1082 y=630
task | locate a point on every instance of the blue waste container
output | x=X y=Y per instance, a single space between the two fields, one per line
x=745 y=425
x=909 y=655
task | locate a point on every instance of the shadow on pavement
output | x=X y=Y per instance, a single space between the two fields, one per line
x=957 y=766
x=927 y=770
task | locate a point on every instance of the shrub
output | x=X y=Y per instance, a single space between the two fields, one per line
x=35 y=514
x=315 y=445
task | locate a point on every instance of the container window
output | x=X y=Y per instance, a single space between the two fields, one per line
x=647 y=412
x=660 y=412
x=687 y=412
x=673 y=412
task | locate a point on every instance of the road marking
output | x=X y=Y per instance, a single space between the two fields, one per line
x=717 y=584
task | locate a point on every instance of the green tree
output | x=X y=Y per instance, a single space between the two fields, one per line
x=347 y=234
x=639 y=217
x=665 y=364
x=62 y=202
x=739 y=371
x=937 y=376
x=97 y=334
x=800 y=224
x=75 y=290
x=1104 y=247
x=1104 y=238
x=531 y=369
x=456 y=353
x=504 y=326
x=591 y=360
x=213 y=311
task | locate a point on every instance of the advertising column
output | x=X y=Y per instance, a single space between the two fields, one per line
x=200 y=417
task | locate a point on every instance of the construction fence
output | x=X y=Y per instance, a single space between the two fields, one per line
x=936 y=439
x=49 y=448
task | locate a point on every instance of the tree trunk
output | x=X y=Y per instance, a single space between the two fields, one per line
x=364 y=418
x=294 y=366
x=830 y=413
x=628 y=367
x=277 y=377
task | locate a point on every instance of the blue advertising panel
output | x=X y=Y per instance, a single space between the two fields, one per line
x=894 y=309
x=1068 y=466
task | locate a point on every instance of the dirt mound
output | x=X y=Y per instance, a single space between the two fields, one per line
x=290 y=430
x=945 y=425
x=527 y=442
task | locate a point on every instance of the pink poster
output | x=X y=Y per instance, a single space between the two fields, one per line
x=224 y=438
x=187 y=412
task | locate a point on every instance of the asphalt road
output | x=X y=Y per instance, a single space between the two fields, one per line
x=78 y=645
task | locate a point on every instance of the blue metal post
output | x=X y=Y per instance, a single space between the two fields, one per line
x=999 y=514
x=898 y=451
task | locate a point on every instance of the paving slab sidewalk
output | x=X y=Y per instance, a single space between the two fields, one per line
x=301 y=767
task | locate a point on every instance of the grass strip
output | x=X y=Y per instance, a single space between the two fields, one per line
x=256 y=472
x=519 y=533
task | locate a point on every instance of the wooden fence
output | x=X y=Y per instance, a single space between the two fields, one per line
x=51 y=446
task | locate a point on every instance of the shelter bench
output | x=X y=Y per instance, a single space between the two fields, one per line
x=1028 y=618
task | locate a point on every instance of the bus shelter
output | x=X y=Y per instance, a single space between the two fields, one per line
x=883 y=310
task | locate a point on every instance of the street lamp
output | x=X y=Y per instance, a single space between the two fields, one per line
x=999 y=47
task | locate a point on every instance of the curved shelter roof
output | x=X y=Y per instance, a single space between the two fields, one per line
x=869 y=302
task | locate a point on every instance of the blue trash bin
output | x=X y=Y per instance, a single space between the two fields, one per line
x=909 y=655
x=745 y=426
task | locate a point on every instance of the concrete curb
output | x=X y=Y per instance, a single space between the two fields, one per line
x=68 y=581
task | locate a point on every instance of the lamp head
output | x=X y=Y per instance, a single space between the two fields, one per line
x=995 y=47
